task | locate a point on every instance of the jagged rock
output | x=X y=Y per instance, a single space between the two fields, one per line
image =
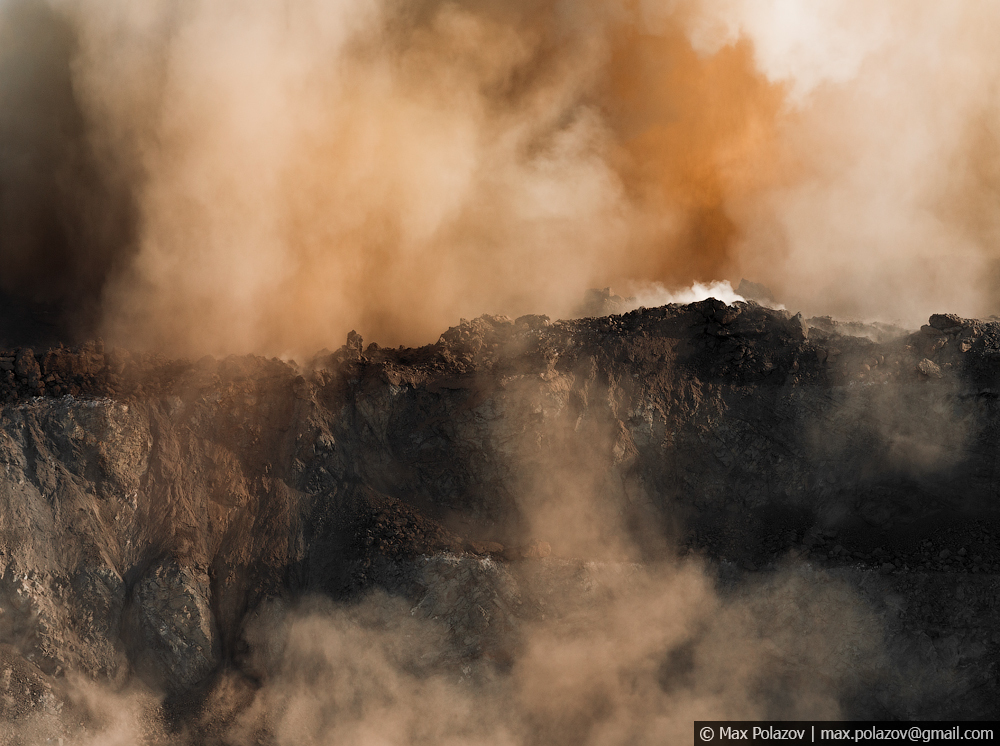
x=355 y=343
x=140 y=528
x=929 y=368
x=945 y=322
x=27 y=370
x=170 y=627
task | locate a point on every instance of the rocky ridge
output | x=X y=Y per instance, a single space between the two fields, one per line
x=150 y=508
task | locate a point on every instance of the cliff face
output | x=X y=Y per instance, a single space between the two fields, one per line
x=153 y=512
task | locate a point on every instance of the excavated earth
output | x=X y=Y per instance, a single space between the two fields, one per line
x=150 y=509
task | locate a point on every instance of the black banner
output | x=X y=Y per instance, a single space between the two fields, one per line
x=865 y=733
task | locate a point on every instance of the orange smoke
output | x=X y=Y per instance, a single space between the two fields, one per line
x=323 y=168
x=253 y=176
x=698 y=131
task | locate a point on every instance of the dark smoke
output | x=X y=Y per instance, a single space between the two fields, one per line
x=65 y=221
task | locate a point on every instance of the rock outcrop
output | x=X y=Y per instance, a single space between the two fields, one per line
x=149 y=508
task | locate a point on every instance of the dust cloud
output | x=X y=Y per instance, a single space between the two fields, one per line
x=634 y=663
x=620 y=642
x=256 y=176
x=224 y=177
x=892 y=123
x=612 y=639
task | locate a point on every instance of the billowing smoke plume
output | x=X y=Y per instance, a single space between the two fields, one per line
x=220 y=176
x=890 y=140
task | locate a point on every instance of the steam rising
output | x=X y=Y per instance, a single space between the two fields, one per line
x=657 y=295
x=258 y=176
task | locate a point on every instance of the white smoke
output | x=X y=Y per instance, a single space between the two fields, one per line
x=656 y=294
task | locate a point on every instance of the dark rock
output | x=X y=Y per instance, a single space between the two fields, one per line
x=354 y=343
x=945 y=321
x=27 y=370
x=929 y=368
x=201 y=490
x=799 y=328
x=173 y=637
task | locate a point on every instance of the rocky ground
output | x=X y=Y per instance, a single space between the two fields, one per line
x=154 y=511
